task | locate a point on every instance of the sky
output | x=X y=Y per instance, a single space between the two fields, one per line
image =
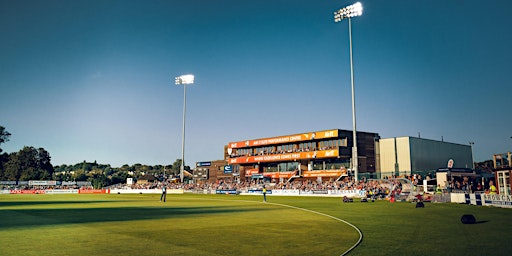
x=93 y=80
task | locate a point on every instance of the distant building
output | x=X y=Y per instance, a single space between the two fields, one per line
x=212 y=171
x=146 y=179
x=407 y=155
x=327 y=155
x=503 y=172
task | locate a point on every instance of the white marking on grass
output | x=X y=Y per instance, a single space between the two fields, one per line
x=306 y=210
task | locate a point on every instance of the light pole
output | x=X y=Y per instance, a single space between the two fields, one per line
x=471 y=143
x=339 y=15
x=183 y=80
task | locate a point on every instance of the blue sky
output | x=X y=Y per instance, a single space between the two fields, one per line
x=94 y=80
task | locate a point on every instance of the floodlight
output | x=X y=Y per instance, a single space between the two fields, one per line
x=348 y=12
x=184 y=79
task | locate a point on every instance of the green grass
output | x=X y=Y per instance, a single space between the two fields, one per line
x=242 y=225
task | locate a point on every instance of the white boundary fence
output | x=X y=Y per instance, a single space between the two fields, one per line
x=504 y=201
x=496 y=200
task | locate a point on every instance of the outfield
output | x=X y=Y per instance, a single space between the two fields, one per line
x=243 y=225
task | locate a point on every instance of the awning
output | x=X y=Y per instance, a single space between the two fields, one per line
x=463 y=174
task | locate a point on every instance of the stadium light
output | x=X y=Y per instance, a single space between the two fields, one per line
x=339 y=15
x=183 y=80
x=348 y=12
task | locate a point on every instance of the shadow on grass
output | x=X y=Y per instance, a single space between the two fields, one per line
x=24 y=203
x=44 y=217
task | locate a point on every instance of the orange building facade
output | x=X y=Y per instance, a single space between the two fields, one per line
x=316 y=155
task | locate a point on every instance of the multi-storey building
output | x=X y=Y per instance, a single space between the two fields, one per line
x=322 y=155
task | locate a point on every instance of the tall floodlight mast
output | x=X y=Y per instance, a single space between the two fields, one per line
x=183 y=80
x=339 y=15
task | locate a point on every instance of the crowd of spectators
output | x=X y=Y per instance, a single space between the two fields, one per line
x=56 y=187
x=374 y=188
x=148 y=185
x=388 y=186
x=463 y=184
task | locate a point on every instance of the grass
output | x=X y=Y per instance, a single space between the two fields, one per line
x=242 y=225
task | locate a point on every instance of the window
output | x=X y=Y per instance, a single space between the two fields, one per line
x=271 y=168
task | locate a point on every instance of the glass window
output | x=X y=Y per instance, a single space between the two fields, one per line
x=507 y=182
x=282 y=167
x=270 y=168
x=318 y=165
x=292 y=166
x=501 y=185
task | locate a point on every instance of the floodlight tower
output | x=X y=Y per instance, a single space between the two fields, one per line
x=471 y=143
x=339 y=15
x=183 y=80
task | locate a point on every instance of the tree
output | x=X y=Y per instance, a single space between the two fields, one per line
x=4 y=136
x=176 y=167
x=44 y=164
x=79 y=175
x=4 y=157
x=119 y=177
x=12 y=169
x=29 y=164
x=97 y=179
x=87 y=166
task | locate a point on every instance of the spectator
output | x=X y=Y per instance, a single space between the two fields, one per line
x=492 y=188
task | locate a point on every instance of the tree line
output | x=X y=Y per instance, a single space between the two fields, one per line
x=32 y=163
